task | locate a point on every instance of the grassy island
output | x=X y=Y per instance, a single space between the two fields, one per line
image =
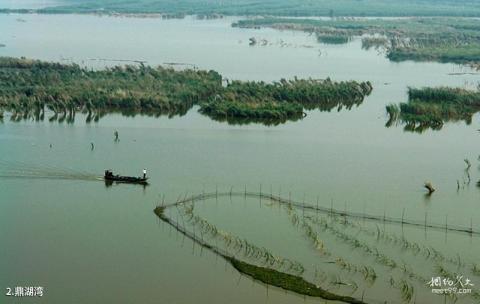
x=432 y=107
x=455 y=40
x=279 y=101
x=29 y=87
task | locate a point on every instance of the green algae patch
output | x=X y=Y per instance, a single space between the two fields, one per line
x=288 y=282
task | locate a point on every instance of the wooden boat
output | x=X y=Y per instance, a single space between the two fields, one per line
x=110 y=177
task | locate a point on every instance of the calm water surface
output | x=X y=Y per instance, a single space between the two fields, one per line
x=89 y=243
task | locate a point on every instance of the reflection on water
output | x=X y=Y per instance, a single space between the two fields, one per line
x=246 y=121
x=110 y=183
x=417 y=126
x=68 y=117
x=92 y=116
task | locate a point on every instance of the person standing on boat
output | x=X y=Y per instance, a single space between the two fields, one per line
x=144 y=173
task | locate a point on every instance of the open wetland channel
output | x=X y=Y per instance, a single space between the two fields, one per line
x=63 y=228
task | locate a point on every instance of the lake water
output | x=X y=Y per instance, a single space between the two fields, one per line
x=88 y=243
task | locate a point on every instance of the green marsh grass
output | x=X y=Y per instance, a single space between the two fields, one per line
x=28 y=88
x=432 y=107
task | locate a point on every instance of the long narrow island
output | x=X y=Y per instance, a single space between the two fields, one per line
x=30 y=87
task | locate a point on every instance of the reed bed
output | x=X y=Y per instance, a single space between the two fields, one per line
x=29 y=88
x=454 y=40
x=432 y=107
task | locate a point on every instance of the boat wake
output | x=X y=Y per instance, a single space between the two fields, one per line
x=24 y=170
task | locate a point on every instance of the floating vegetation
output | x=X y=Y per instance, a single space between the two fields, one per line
x=30 y=87
x=431 y=107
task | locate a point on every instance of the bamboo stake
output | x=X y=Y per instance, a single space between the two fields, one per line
x=426 y=220
x=446 y=223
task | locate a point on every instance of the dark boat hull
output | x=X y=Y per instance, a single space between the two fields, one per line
x=127 y=179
